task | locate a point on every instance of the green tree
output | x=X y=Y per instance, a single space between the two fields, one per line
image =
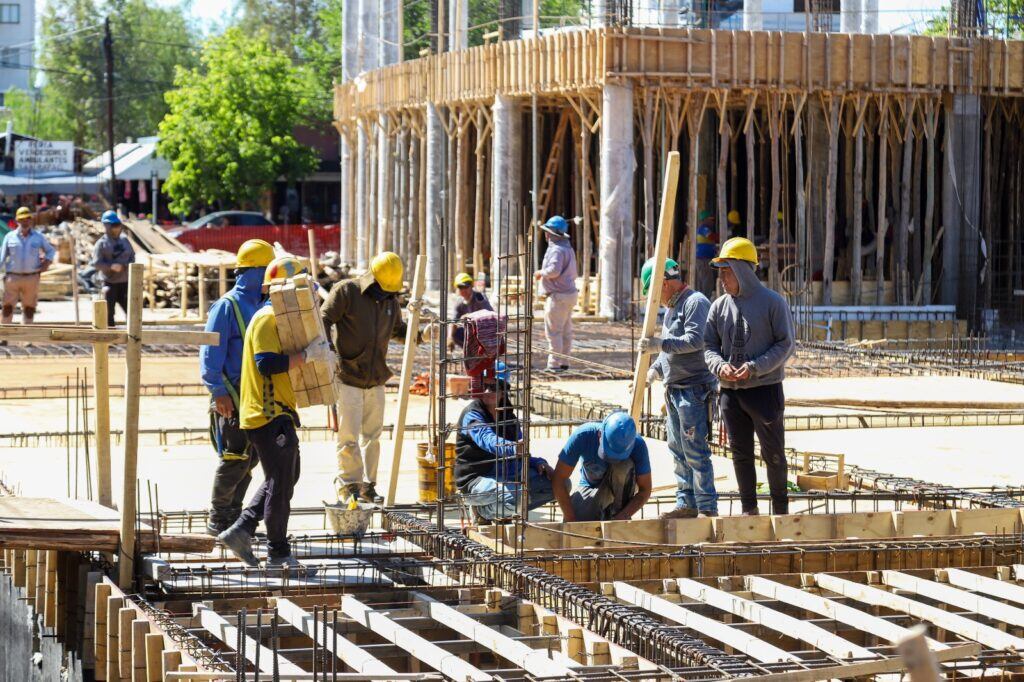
x=32 y=117
x=1004 y=18
x=228 y=134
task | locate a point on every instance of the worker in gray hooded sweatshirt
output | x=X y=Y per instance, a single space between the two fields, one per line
x=747 y=341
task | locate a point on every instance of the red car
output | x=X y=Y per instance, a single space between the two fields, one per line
x=227 y=230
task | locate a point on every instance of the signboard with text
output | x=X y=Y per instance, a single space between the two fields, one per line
x=40 y=156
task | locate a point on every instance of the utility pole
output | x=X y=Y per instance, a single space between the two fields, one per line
x=108 y=54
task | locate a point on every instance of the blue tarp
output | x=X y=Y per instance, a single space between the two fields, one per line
x=70 y=183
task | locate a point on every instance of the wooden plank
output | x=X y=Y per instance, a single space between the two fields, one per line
x=423 y=650
x=347 y=651
x=99 y=630
x=110 y=662
x=990 y=586
x=132 y=380
x=41 y=334
x=220 y=628
x=740 y=640
x=783 y=623
x=959 y=625
x=408 y=355
x=101 y=387
x=665 y=222
x=534 y=661
x=947 y=594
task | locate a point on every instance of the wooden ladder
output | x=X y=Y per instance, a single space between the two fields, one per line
x=547 y=184
x=589 y=186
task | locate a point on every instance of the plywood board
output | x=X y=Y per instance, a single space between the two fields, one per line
x=743 y=529
x=928 y=523
x=988 y=521
x=866 y=525
x=803 y=526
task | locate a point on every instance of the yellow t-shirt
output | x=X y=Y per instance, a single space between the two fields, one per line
x=263 y=398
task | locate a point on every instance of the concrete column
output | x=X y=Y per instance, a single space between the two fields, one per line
x=869 y=15
x=851 y=16
x=458 y=24
x=506 y=178
x=388 y=53
x=961 y=207
x=669 y=13
x=618 y=162
x=526 y=21
x=349 y=68
x=367 y=56
x=753 y=17
x=437 y=142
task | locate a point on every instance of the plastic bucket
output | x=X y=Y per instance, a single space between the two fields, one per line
x=427 y=469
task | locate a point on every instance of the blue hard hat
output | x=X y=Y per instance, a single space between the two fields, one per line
x=618 y=434
x=501 y=372
x=556 y=225
x=110 y=218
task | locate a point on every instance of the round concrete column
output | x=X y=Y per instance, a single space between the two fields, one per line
x=618 y=162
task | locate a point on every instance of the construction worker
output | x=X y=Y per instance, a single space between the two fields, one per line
x=470 y=301
x=111 y=257
x=365 y=315
x=747 y=340
x=24 y=255
x=615 y=474
x=221 y=370
x=689 y=389
x=707 y=248
x=557 y=278
x=269 y=417
x=487 y=467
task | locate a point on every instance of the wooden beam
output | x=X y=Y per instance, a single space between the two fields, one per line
x=990 y=586
x=664 y=238
x=220 y=628
x=879 y=627
x=348 y=652
x=740 y=640
x=101 y=386
x=789 y=626
x=947 y=594
x=132 y=381
x=423 y=650
x=951 y=622
x=41 y=334
x=534 y=661
x=408 y=357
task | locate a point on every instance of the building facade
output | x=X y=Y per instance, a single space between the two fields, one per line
x=17 y=41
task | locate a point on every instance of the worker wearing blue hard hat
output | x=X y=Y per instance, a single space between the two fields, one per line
x=111 y=257
x=615 y=471
x=557 y=281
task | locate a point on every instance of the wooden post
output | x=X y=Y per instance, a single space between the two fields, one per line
x=883 y=175
x=665 y=222
x=418 y=285
x=650 y=198
x=100 y=631
x=828 y=263
x=222 y=280
x=171 y=662
x=125 y=616
x=724 y=135
x=154 y=657
x=774 y=125
x=314 y=269
x=479 y=218
x=461 y=191
x=133 y=361
x=113 y=672
x=101 y=385
x=924 y=296
x=587 y=227
x=30 y=578
x=201 y=286
x=902 y=237
x=140 y=628
x=749 y=133
x=856 y=259
x=183 y=269
x=74 y=277
x=694 y=118
x=50 y=599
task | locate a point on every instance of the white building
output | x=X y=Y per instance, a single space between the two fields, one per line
x=17 y=41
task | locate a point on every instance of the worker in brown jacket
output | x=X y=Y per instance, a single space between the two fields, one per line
x=365 y=315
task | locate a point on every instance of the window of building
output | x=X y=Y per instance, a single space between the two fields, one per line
x=10 y=14
x=825 y=6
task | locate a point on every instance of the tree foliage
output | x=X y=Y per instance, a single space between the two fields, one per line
x=229 y=132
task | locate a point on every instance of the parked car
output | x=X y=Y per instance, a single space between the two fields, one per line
x=227 y=230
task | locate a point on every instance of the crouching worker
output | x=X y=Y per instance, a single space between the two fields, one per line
x=269 y=417
x=487 y=467
x=615 y=474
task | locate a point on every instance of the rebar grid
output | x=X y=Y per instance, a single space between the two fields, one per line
x=185 y=640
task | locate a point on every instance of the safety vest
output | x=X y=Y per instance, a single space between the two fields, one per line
x=232 y=391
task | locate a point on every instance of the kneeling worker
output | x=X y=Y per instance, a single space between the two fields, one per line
x=269 y=417
x=615 y=475
x=486 y=464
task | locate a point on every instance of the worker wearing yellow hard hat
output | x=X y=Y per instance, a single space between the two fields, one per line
x=469 y=300
x=747 y=340
x=364 y=315
x=24 y=255
x=221 y=371
x=707 y=248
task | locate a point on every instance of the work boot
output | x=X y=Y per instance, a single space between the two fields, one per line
x=215 y=529
x=369 y=493
x=751 y=512
x=345 y=491
x=239 y=542
x=680 y=513
x=290 y=565
x=707 y=515
x=479 y=519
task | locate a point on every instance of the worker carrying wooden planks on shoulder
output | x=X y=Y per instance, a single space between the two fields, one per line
x=615 y=471
x=557 y=278
x=220 y=367
x=365 y=315
x=689 y=388
x=747 y=340
x=269 y=416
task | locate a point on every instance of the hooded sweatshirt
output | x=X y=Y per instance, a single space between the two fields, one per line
x=752 y=328
x=681 y=361
x=226 y=357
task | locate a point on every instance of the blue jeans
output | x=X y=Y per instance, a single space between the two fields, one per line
x=687 y=427
x=494 y=499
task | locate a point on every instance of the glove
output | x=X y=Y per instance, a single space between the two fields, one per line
x=652 y=376
x=650 y=345
x=414 y=305
x=319 y=350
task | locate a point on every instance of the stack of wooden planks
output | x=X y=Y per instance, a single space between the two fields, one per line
x=298 y=325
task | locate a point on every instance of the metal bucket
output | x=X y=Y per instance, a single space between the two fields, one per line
x=348 y=522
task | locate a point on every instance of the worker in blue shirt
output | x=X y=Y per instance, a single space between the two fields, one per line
x=615 y=474
x=111 y=256
x=24 y=254
x=221 y=369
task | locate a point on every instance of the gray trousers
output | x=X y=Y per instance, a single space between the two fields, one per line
x=607 y=499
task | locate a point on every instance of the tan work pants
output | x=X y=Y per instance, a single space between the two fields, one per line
x=558 y=327
x=360 y=422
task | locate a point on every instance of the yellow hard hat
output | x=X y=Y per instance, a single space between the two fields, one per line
x=737 y=248
x=463 y=280
x=23 y=212
x=254 y=253
x=284 y=267
x=733 y=217
x=387 y=270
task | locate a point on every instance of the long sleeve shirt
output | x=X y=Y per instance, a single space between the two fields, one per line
x=681 y=361
x=108 y=252
x=225 y=358
x=24 y=255
x=558 y=270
